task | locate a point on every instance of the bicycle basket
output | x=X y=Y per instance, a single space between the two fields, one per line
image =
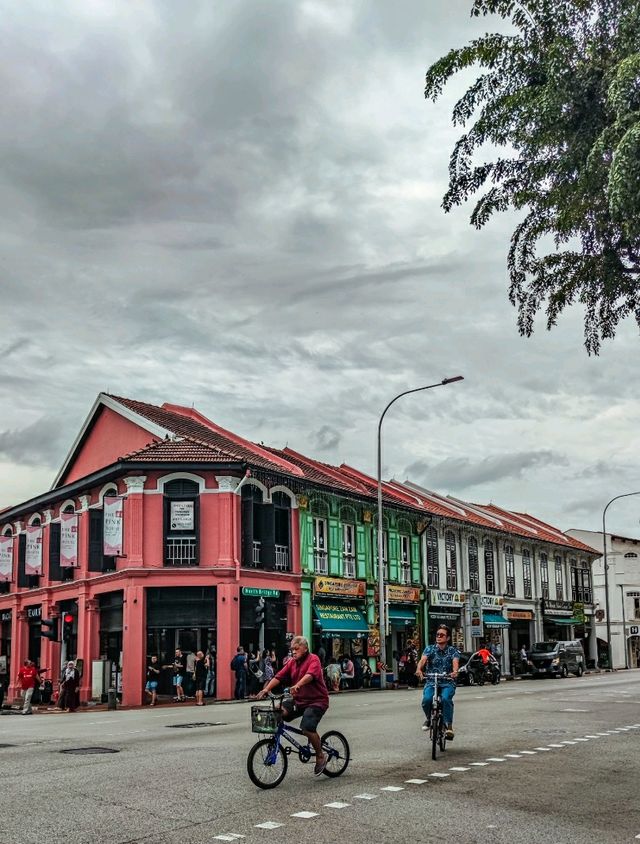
x=264 y=719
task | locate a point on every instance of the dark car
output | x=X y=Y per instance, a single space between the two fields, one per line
x=557 y=659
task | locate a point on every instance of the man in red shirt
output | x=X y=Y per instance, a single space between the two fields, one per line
x=305 y=679
x=28 y=677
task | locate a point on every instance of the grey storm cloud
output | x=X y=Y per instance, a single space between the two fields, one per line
x=237 y=205
x=464 y=472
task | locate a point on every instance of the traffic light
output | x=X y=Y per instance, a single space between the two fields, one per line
x=49 y=629
x=259 y=618
x=67 y=626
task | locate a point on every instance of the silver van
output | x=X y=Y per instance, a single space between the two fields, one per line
x=557 y=659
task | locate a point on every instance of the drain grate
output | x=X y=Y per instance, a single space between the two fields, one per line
x=88 y=751
x=551 y=731
x=195 y=724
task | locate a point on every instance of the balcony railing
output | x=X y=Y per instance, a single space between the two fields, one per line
x=348 y=565
x=320 y=562
x=282 y=558
x=180 y=551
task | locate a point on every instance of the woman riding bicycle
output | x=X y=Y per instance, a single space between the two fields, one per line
x=304 y=677
x=441 y=657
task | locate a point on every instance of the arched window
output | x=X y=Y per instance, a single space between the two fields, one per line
x=451 y=557
x=433 y=568
x=474 y=567
x=181 y=522
x=510 y=571
x=526 y=572
x=489 y=568
x=544 y=575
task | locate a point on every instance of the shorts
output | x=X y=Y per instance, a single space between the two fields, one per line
x=152 y=685
x=311 y=716
x=200 y=684
x=177 y=680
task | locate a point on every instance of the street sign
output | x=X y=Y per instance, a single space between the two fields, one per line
x=475 y=610
x=254 y=592
x=634 y=630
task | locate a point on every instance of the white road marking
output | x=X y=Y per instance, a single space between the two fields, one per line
x=557 y=745
x=592 y=736
x=392 y=788
x=228 y=836
x=574 y=710
x=568 y=742
x=364 y=796
x=513 y=756
x=543 y=748
x=581 y=739
x=337 y=805
x=438 y=774
x=459 y=768
x=495 y=759
x=603 y=734
x=268 y=825
x=528 y=752
x=416 y=782
x=479 y=764
x=306 y=815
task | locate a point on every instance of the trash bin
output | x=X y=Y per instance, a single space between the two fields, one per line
x=112 y=699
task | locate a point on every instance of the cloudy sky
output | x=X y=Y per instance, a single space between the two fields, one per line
x=237 y=205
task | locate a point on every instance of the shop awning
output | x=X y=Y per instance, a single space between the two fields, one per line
x=492 y=619
x=562 y=621
x=340 y=619
x=399 y=617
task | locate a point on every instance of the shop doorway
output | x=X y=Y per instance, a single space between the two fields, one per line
x=164 y=641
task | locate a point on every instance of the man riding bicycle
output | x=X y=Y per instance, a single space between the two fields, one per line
x=304 y=676
x=440 y=658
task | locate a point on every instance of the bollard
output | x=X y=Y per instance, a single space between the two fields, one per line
x=112 y=700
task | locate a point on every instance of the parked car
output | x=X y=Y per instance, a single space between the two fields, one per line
x=557 y=659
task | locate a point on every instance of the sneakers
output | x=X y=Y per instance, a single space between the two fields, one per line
x=319 y=767
x=427 y=725
x=450 y=734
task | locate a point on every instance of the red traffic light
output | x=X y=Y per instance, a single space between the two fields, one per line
x=68 y=618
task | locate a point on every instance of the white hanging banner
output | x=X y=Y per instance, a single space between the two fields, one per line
x=68 y=540
x=33 y=556
x=112 y=528
x=6 y=558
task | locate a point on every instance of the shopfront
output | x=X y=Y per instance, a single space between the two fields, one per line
x=558 y=621
x=446 y=608
x=111 y=607
x=522 y=630
x=179 y=617
x=340 y=621
x=5 y=645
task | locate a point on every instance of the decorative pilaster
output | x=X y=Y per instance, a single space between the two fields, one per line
x=134 y=519
x=88 y=641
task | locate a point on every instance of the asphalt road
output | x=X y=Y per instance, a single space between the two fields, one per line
x=542 y=761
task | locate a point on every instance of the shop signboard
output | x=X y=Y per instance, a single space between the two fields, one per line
x=253 y=591
x=33 y=556
x=552 y=607
x=6 y=558
x=182 y=515
x=489 y=601
x=340 y=587
x=475 y=610
x=112 y=526
x=68 y=540
x=403 y=594
x=34 y=612
x=520 y=615
x=441 y=598
x=373 y=640
x=5 y=615
x=578 y=612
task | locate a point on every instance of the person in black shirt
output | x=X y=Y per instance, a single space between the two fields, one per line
x=153 y=675
x=200 y=677
x=178 y=668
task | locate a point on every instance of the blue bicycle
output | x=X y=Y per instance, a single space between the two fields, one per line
x=268 y=759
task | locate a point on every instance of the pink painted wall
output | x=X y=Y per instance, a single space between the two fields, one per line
x=111 y=436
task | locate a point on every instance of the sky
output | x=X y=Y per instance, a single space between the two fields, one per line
x=236 y=205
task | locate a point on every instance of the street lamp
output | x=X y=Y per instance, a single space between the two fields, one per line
x=382 y=620
x=606 y=571
x=624 y=627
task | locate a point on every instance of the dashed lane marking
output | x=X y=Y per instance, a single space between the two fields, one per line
x=392 y=788
x=528 y=752
x=543 y=749
x=479 y=764
x=337 y=805
x=513 y=756
x=439 y=775
x=268 y=825
x=364 y=796
x=305 y=815
x=416 y=781
x=228 y=836
x=495 y=759
x=459 y=768
x=557 y=745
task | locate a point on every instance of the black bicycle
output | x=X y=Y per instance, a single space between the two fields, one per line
x=437 y=726
x=268 y=759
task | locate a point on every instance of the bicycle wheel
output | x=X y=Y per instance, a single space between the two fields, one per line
x=442 y=738
x=435 y=733
x=335 y=745
x=265 y=770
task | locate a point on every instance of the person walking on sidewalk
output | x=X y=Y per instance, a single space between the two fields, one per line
x=153 y=676
x=178 y=668
x=69 y=683
x=239 y=667
x=29 y=678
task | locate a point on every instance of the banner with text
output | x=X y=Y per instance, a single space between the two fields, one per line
x=68 y=540
x=6 y=558
x=112 y=535
x=33 y=556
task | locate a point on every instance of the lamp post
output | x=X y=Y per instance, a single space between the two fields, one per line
x=382 y=615
x=606 y=570
x=624 y=628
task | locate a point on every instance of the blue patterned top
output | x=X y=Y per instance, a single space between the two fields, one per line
x=440 y=660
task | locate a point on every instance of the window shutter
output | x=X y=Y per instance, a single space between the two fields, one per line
x=96 y=548
x=246 y=516
x=268 y=536
x=23 y=580
x=55 y=572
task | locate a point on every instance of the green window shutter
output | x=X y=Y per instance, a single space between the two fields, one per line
x=416 y=560
x=335 y=548
x=394 y=553
x=361 y=552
